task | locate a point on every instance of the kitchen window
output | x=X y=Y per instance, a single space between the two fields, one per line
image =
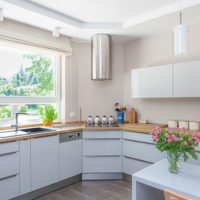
x=28 y=79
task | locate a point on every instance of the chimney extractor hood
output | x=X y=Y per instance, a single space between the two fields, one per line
x=101 y=53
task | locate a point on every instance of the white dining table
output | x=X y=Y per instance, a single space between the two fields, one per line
x=150 y=183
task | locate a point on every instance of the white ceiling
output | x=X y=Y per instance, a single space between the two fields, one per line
x=104 y=11
x=124 y=19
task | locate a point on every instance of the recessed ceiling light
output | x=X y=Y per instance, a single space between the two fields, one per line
x=56 y=32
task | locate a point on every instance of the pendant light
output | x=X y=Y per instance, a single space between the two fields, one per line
x=180 y=36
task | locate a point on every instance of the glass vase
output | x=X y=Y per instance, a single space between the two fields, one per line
x=174 y=159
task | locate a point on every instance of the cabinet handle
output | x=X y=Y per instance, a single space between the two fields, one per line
x=7 y=177
x=5 y=154
x=138 y=159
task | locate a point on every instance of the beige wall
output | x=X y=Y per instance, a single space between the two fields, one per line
x=95 y=97
x=157 y=50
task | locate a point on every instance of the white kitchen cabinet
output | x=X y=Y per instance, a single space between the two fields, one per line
x=139 y=151
x=70 y=157
x=142 y=151
x=152 y=82
x=102 y=134
x=140 y=137
x=108 y=164
x=131 y=166
x=9 y=170
x=102 y=154
x=186 y=79
x=44 y=161
x=102 y=147
x=25 y=166
x=9 y=187
x=9 y=164
x=9 y=147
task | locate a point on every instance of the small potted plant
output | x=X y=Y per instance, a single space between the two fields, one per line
x=177 y=143
x=48 y=114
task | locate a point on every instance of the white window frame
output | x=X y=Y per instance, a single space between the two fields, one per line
x=37 y=100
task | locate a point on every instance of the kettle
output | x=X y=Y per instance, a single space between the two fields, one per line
x=104 y=120
x=111 y=119
x=97 y=120
x=90 y=120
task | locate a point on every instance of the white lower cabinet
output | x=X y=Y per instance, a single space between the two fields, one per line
x=139 y=152
x=102 y=147
x=71 y=154
x=102 y=164
x=25 y=166
x=44 y=161
x=9 y=187
x=9 y=170
x=9 y=164
x=130 y=165
x=142 y=151
x=102 y=154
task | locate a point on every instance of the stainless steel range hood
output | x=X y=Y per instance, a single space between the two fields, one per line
x=101 y=53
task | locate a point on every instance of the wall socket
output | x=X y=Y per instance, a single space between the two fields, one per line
x=72 y=115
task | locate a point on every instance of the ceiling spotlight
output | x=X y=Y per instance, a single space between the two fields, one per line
x=56 y=32
x=1 y=14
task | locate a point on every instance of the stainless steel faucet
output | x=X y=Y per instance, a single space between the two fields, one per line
x=16 y=125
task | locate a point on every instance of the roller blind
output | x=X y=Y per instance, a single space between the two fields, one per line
x=25 y=36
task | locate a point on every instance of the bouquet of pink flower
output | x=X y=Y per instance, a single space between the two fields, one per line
x=180 y=142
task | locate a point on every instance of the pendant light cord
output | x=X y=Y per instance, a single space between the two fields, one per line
x=180 y=12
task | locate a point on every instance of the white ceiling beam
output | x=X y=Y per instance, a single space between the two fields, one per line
x=33 y=7
x=160 y=12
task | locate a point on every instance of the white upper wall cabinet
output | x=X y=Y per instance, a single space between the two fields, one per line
x=187 y=79
x=152 y=82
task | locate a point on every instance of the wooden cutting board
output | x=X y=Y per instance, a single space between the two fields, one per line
x=142 y=128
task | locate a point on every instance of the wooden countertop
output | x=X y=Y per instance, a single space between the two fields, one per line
x=42 y=134
x=141 y=128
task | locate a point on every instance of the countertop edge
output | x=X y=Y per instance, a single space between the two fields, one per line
x=72 y=129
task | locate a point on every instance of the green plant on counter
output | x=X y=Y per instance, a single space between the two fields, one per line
x=48 y=114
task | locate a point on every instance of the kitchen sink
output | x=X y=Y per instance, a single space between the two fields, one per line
x=36 y=130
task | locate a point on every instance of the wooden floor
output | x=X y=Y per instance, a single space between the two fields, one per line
x=93 y=190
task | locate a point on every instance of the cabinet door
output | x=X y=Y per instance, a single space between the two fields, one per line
x=9 y=187
x=70 y=159
x=100 y=164
x=142 y=151
x=44 y=161
x=186 y=79
x=131 y=166
x=102 y=147
x=25 y=166
x=152 y=82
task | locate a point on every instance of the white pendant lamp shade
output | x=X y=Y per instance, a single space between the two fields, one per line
x=180 y=39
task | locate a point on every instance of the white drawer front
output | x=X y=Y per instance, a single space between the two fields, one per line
x=9 y=164
x=9 y=188
x=102 y=147
x=131 y=166
x=102 y=134
x=142 y=151
x=142 y=137
x=102 y=164
x=9 y=147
